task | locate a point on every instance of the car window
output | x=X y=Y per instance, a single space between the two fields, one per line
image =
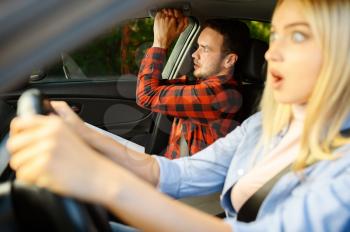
x=115 y=53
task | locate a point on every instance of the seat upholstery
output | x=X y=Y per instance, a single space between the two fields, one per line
x=251 y=77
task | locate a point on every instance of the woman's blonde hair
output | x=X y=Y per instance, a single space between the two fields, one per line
x=328 y=105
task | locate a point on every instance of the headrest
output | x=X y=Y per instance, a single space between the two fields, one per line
x=253 y=68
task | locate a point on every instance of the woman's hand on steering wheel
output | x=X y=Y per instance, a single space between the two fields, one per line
x=47 y=152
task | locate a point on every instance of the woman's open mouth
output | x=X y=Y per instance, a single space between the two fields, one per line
x=276 y=80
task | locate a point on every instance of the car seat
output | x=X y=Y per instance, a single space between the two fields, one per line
x=251 y=79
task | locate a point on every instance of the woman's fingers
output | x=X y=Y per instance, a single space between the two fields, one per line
x=66 y=112
x=31 y=171
x=18 y=124
x=62 y=108
x=27 y=131
x=46 y=152
x=22 y=139
x=26 y=154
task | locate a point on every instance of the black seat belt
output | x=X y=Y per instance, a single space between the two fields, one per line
x=345 y=132
x=250 y=208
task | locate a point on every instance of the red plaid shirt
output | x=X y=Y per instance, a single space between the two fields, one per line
x=203 y=111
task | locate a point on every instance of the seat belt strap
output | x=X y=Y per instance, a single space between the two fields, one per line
x=250 y=208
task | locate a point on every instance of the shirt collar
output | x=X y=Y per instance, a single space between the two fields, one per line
x=220 y=77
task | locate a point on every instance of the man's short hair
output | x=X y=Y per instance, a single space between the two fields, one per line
x=236 y=35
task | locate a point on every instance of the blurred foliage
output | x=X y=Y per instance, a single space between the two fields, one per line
x=114 y=53
x=119 y=51
x=259 y=30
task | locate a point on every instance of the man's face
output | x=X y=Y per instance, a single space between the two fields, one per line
x=208 y=58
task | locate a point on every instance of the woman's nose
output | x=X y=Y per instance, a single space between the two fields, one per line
x=273 y=53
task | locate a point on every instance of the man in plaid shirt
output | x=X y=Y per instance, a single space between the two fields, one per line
x=204 y=111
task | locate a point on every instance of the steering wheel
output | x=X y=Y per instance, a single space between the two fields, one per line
x=29 y=207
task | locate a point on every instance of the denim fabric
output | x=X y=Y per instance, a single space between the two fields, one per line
x=316 y=200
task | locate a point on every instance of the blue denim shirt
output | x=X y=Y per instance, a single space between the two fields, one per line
x=317 y=200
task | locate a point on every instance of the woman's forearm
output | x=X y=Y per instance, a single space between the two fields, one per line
x=143 y=165
x=139 y=163
x=140 y=205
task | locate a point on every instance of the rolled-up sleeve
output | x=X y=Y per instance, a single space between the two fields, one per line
x=193 y=176
x=203 y=173
x=197 y=175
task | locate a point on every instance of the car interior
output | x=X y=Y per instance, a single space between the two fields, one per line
x=87 y=53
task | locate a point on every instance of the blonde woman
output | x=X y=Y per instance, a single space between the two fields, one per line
x=301 y=129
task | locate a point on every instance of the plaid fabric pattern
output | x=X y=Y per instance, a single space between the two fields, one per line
x=204 y=111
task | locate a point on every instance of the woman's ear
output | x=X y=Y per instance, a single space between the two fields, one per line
x=230 y=60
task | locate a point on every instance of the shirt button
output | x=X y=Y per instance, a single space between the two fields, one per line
x=240 y=172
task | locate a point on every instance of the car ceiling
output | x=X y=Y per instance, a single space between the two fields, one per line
x=248 y=9
x=34 y=32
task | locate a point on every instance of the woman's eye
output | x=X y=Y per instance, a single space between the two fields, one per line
x=272 y=36
x=298 y=37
